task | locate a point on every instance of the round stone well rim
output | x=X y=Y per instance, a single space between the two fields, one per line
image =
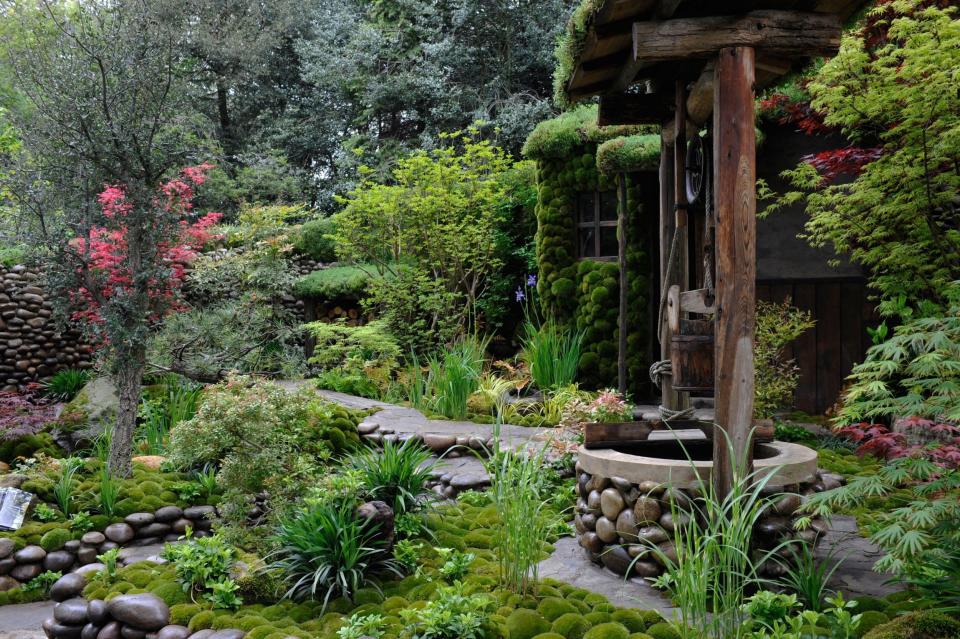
x=793 y=464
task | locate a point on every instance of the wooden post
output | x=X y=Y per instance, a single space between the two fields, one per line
x=668 y=398
x=735 y=178
x=622 y=227
x=680 y=201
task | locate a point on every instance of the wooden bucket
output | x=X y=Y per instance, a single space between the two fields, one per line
x=691 y=357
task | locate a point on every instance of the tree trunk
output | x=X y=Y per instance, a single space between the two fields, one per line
x=129 y=378
x=223 y=113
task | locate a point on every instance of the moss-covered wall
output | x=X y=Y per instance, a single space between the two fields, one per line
x=585 y=293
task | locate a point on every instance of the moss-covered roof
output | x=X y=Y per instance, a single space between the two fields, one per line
x=629 y=153
x=570 y=46
x=564 y=135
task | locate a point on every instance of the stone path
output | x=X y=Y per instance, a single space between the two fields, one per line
x=22 y=621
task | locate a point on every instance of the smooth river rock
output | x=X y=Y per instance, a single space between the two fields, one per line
x=68 y=586
x=144 y=611
x=72 y=612
x=30 y=555
x=611 y=503
x=119 y=533
x=174 y=632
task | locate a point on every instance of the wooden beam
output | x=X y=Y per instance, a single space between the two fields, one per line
x=680 y=201
x=792 y=34
x=735 y=178
x=629 y=71
x=700 y=301
x=639 y=108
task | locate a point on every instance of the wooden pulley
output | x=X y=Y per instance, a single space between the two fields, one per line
x=698 y=169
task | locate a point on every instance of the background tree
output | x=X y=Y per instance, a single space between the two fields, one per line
x=105 y=104
x=388 y=76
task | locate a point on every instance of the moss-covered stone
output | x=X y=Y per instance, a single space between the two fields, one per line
x=553 y=607
x=55 y=539
x=611 y=630
x=524 y=623
x=869 y=620
x=181 y=614
x=662 y=630
x=571 y=626
x=918 y=625
x=632 y=619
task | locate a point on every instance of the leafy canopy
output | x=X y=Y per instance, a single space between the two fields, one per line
x=891 y=90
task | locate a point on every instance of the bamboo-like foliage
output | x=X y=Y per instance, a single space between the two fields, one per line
x=516 y=479
x=714 y=567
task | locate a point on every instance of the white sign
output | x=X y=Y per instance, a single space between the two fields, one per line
x=13 y=507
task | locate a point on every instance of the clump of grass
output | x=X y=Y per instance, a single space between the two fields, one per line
x=714 y=566
x=159 y=416
x=551 y=354
x=66 y=384
x=63 y=488
x=109 y=491
x=397 y=474
x=518 y=492
x=454 y=376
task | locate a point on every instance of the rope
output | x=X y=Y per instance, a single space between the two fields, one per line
x=667 y=277
x=658 y=370
x=667 y=414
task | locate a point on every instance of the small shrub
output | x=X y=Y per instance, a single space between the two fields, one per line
x=363 y=627
x=456 y=564
x=315 y=241
x=203 y=569
x=776 y=377
x=451 y=615
x=326 y=551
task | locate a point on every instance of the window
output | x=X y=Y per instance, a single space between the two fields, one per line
x=597 y=225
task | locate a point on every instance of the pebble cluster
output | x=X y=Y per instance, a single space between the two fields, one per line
x=618 y=521
x=134 y=616
x=80 y=555
x=33 y=348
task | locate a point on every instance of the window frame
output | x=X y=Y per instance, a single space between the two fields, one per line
x=595 y=225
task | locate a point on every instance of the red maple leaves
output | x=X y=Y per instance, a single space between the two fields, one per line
x=880 y=441
x=105 y=255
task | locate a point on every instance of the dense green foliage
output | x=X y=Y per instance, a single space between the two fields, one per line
x=261 y=436
x=776 y=377
x=350 y=282
x=396 y=474
x=891 y=91
x=315 y=240
x=916 y=372
x=432 y=233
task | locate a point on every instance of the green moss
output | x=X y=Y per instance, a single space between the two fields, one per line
x=870 y=603
x=639 y=635
x=563 y=135
x=607 y=631
x=181 y=614
x=55 y=539
x=632 y=619
x=171 y=593
x=662 y=630
x=869 y=620
x=571 y=626
x=629 y=153
x=918 y=625
x=524 y=623
x=553 y=607
x=201 y=621
x=595 y=618
x=337 y=282
x=549 y=635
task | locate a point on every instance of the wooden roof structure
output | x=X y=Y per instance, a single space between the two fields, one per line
x=655 y=42
x=676 y=63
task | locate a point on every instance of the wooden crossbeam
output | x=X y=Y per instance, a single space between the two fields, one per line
x=789 y=34
x=640 y=108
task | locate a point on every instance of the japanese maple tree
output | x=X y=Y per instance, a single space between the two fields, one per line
x=106 y=100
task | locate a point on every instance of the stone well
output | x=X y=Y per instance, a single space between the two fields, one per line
x=625 y=497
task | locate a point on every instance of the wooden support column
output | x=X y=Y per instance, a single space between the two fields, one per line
x=622 y=324
x=734 y=152
x=668 y=398
x=680 y=201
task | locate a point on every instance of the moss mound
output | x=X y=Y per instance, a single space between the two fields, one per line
x=610 y=630
x=524 y=623
x=918 y=625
